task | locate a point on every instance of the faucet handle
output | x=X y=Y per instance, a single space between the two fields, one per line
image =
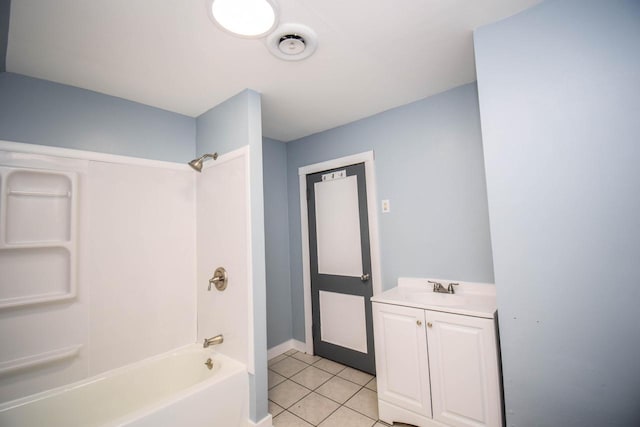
x=436 y=285
x=450 y=287
x=219 y=279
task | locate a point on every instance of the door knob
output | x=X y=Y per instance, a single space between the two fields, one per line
x=419 y=322
x=429 y=324
x=365 y=277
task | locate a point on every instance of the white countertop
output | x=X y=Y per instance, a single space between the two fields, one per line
x=470 y=299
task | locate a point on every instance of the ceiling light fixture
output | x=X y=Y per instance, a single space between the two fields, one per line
x=246 y=18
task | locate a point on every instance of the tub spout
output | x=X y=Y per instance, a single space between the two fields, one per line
x=218 y=339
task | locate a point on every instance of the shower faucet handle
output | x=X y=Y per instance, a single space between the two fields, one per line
x=220 y=279
x=213 y=280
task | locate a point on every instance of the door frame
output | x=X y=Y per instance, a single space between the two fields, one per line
x=367 y=158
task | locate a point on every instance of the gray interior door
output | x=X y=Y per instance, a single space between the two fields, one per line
x=340 y=261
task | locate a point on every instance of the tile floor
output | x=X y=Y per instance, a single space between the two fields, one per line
x=311 y=391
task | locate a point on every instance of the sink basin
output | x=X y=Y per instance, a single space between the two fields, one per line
x=470 y=299
x=433 y=298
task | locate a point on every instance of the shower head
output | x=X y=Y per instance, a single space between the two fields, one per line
x=196 y=164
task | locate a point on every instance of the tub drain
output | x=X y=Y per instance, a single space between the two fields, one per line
x=209 y=363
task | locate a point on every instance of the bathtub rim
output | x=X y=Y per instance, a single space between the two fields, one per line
x=234 y=366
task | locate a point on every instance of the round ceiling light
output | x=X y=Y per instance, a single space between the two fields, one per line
x=292 y=42
x=246 y=18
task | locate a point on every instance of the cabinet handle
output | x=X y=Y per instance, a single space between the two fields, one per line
x=419 y=322
x=429 y=324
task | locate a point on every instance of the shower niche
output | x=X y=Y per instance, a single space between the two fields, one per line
x=37 y=236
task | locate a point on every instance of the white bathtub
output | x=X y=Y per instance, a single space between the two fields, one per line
x=173 y=389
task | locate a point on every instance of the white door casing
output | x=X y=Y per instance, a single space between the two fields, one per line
x=376 y=276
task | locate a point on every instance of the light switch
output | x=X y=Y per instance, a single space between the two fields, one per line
x=386 y=207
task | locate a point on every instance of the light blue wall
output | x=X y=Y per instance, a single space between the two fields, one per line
x=42 y=112
x=428 y=161
x=236 y=123
x=560 y=101
x=5 y=12
x=224 y=128
x=276 y=218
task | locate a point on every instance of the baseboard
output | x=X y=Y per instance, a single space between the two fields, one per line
x=299 y=345
x=286 y=346
x=265 y=422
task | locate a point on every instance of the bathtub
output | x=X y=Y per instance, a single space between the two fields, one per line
x=173 y=389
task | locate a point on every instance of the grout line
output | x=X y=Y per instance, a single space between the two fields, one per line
x=317 y=387
x=355 y=410
x=291 y=413
x=310 y=391
x=332 y=412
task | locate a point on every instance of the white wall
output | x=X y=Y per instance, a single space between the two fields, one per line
x=223 y=241
x=136 y=270
x=140 y=262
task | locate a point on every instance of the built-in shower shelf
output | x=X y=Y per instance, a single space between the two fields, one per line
x=37 y=244
x=38 y=360
x=37 y=236
x=38 y=194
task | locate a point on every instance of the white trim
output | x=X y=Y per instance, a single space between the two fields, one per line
x=284 y=347
x=336 y=163
x=20 y=147
x=223 y=158
x=265 y=422
x=306 y=268
x=367 y=158
x=251 y=357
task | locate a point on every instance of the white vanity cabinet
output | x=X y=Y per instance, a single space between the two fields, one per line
x=402 y=365
x=437 y=368
x=465 y=379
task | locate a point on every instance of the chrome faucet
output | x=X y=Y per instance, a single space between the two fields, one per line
x=437 y=287
x=218 y=339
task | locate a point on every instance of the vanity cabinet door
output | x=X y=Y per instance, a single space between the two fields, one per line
x=401 y=357
x=463 y=359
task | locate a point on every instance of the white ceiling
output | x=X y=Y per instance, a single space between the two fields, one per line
x=372 y=55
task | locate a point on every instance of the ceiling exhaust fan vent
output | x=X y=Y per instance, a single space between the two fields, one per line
x=292 y=42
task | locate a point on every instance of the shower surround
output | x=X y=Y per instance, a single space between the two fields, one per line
x=134 y=276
